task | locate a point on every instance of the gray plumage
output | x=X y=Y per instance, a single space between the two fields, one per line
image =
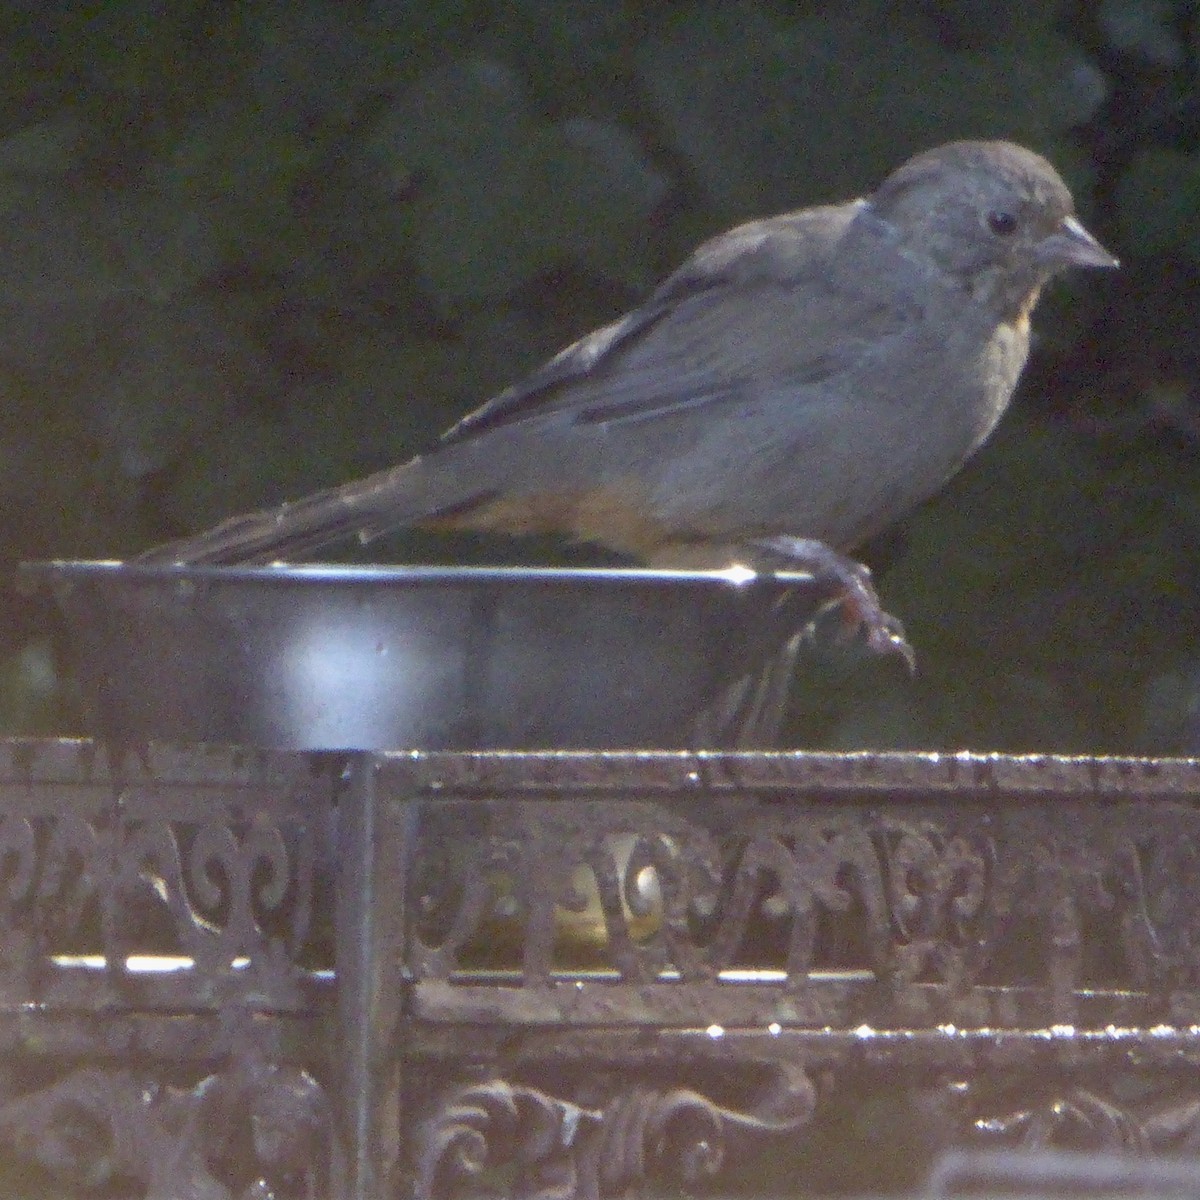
x=812 y=375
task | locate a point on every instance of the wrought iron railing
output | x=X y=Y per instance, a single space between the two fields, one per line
x=230 y=973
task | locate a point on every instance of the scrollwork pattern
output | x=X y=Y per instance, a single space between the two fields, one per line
x=936 y=898
x=228 y=898
x=252 y=1129
x=561 y=1150
x=1088 y=1118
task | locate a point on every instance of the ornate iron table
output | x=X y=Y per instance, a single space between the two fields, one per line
x=227 y=973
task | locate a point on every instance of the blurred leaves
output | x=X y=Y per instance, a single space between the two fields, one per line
x=1146 y=28
x=498 y=196
x=256 y=247
x=746 y=93
x=1159 y=200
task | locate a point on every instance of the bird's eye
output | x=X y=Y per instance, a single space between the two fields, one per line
x=1002 y=223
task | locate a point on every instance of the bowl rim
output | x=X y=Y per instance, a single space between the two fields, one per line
x=419 y=574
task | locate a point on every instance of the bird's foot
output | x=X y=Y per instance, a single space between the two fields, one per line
x=850 y=588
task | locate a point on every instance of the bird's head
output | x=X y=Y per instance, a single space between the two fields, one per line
x=993 y=216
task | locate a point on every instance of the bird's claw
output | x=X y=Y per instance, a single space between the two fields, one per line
x=850 y=588
x=885 y=635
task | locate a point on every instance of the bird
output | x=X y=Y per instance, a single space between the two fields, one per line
x=800 y=383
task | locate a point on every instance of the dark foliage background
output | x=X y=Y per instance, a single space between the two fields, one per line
x=252 y=248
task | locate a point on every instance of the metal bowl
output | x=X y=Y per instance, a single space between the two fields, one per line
x=342 y=658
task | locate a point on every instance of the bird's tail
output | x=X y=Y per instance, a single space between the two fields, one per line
x=389 y=499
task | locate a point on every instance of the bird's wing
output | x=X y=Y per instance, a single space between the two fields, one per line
x=684 y=348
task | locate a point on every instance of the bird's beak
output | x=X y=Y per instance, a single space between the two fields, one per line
x=1070 y=245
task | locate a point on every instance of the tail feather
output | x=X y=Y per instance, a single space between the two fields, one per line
x=389 y=499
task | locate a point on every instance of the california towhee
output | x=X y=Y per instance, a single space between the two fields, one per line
x=798 y=384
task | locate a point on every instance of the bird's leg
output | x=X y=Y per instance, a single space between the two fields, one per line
x=849 y=586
